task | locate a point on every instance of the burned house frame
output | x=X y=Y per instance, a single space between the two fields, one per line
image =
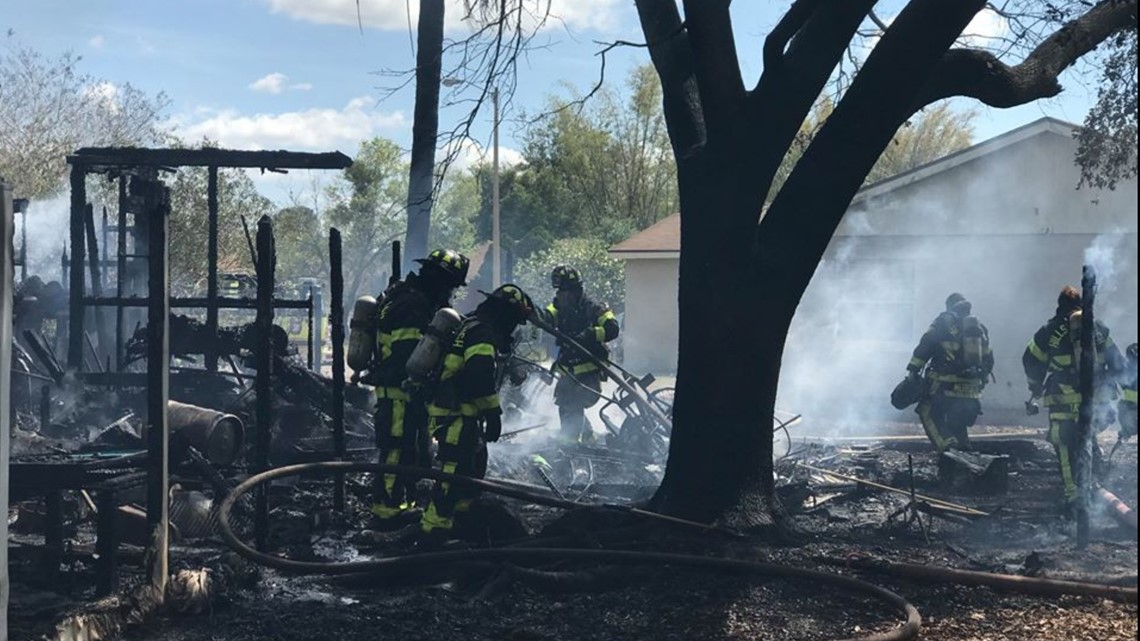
x=139 y=293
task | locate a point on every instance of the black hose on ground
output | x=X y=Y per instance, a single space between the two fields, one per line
x=907 y=631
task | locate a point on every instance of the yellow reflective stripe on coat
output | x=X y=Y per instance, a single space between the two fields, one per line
x=486 y=403
x=394 y=393
x=917 y=362
x=1062 y=399
x=479 y=349
x=1129 y=395
x=1037 y=352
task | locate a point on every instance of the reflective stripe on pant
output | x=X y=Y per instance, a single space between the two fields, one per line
x=398 y=442
x=946 y=419
x=1063 y=435
x=461 y=451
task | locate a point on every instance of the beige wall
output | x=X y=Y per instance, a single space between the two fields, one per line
x=649 y=335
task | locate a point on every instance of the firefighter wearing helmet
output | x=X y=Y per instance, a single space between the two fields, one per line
x=1052 y=366
x=464 y=410
x=955 y=353
x=590 y=325
x=401 y=421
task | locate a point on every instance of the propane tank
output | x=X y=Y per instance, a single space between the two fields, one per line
x=973 y=344
x=362 y=333
x=437 y=338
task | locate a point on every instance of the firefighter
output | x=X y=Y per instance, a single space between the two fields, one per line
x=955 y=352
x=1126 y=409
x=1052 y=367
x=401 y=422
x=464 y=411
x=590 y=325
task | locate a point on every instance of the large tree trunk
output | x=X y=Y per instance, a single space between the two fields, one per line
x=425 y=129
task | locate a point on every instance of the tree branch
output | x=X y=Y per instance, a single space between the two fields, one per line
x=672 y=57
x=788 y=26
x=979 y=74
x=716 y=64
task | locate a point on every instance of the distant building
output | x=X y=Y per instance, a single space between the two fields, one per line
x=1001 y=222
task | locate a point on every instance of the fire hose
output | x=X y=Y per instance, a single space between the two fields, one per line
x=905 y=632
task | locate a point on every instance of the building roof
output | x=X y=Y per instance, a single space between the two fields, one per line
x=663 y=239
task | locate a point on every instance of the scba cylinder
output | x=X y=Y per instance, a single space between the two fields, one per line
x=362 y=333
x=428 y=354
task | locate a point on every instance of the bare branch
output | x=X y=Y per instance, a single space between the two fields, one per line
x=979 y=74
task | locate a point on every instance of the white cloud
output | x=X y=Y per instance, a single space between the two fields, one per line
x=97 y=41
x=318 y=129
x=472 y=154
x=275 y=83
x=105 y=92
x=393 y=14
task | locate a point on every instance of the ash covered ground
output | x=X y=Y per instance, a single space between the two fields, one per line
x=832 y=522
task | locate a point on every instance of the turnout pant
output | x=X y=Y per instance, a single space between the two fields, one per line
x=401 y=438
x=573 y=394
x=461 y=451
x=1064 y=436
x=946 y=420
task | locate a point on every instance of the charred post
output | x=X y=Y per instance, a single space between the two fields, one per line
x=96 y=276
x=266 y=260
x=1087 y=389
x=120 y=270
x=157 y=374
x=336 y=320
x=212 y=269
x=75 y=268
x=7 y=225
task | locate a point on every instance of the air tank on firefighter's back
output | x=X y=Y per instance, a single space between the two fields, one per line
x=362 y=333
x=973 y=341
x=427 y=355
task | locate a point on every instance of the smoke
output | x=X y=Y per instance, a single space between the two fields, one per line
x=47 y=232
x=1006 y=230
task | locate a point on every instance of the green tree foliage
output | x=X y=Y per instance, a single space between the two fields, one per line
x=603 y=275
x=929 y=135
x=49 y=108
x=1107 y=145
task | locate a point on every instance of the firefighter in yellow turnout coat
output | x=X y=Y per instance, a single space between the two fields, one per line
x=955 y=351
x=401 y=422
x=464 y=411
x=1052 y=367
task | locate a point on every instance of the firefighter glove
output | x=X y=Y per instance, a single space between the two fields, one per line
x=492 y=427
x=1036 y=389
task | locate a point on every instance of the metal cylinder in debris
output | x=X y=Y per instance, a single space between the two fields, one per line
x=217 y=435
x=362 y=333
x=427 y=355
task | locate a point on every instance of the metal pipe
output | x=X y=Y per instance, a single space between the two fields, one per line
x=217 y=435
x=938 y=503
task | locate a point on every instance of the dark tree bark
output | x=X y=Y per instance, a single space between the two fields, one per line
x=425 y=129
x=741 y=279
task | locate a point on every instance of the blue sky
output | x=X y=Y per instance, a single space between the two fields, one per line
x=300 y=74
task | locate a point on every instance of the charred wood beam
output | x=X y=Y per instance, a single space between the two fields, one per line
x=75 y=269
x=196 y=303
x=120 y=270
x=1087 y=387
x=979 y=74
x=7 y=228
x=212 y=267
x=672 y=56
x=140 y=157
x=336 y=320
x=157 y=197
x=263 y=386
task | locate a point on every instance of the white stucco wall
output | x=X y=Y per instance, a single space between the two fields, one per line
x=649 y=334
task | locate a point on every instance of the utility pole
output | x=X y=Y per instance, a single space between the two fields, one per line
x=7 y=223
x=496 y=255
